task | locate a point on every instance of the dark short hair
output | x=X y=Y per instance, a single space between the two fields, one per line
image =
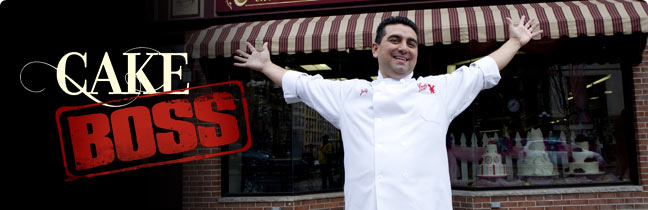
x=380 y=32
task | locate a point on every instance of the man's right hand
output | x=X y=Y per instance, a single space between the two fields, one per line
x=260 y=61
x=255 y=60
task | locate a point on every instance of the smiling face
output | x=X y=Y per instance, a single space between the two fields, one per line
x=397 y=51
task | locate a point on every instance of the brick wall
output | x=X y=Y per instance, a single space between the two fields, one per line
x=201 y=183
x=640 y=77
x=201 y=179
x=327 y=203
x=586 y=201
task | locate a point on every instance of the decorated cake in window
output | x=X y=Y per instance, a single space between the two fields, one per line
x=536 y=161
x=584 y=160
x=491 y=163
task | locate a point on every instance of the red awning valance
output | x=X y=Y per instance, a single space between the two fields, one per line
x=440 y=25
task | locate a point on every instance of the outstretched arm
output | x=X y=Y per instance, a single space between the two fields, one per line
x=260 y=61
x=520 y=35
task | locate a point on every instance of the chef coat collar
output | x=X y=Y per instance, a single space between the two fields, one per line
x=380 y=77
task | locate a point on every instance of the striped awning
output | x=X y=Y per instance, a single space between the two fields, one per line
x=439 y=25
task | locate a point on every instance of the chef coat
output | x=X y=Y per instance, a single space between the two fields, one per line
x=394 y=131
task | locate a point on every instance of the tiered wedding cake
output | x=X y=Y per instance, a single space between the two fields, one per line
x=536 y=162
x=491 y=164
x=584 y=160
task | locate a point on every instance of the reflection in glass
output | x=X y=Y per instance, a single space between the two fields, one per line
x=561 y=125
x=294 y=149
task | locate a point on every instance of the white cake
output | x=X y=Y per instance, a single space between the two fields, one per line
x=536 y=162
x=580 y=165
x=491 y=164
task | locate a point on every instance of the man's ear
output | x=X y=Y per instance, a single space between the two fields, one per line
x=374 y=49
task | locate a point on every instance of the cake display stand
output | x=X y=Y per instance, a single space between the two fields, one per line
x=492 y=177
x=539 y=179
x=587 y=174
x=550 y=175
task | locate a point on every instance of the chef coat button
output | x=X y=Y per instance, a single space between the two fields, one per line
x=405 y=175
x=379 y=177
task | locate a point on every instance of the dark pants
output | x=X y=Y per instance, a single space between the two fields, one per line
x=325 y=175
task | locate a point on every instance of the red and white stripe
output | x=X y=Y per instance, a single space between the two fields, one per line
x=439 y=25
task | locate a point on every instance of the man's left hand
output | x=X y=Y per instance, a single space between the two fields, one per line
x=523 y=32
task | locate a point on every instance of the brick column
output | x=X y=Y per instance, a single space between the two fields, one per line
x=201 y=179
x=201 y=183
x=640 y=78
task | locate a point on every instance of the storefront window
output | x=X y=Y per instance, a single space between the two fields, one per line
x=561 y=116
x=294 y=150
x=554 y=125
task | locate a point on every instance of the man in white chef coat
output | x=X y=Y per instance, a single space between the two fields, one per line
x=394 y=128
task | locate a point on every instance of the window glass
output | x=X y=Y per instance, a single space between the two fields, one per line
x=552 y=125
x=294 y=150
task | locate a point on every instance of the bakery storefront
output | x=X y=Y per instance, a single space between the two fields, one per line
x=564 y=128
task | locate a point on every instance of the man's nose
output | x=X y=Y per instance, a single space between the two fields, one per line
x=402 y=47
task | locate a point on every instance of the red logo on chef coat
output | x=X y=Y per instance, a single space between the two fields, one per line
x=363 y=91
x=421 y=87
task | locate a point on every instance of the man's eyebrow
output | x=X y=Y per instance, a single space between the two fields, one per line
x=400 y=37
x=395 y=36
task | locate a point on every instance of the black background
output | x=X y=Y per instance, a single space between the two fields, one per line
x=45 y=31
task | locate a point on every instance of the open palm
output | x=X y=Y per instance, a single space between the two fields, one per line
x=523 y=32
x=255 y=60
